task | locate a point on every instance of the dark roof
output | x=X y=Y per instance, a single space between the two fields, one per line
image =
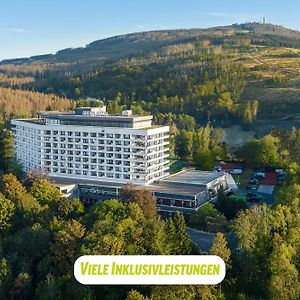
x=162 y=186
x=174 y=188
x=115 y=117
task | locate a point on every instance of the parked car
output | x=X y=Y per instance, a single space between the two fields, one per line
x=217 y=169
x=260 y=174
x=254 y=187
x=253 y=181
x=236 y=171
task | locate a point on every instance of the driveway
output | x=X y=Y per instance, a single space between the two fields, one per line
x=205 y=239
x=201 y=238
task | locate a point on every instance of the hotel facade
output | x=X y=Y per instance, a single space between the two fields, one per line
x=91 y=144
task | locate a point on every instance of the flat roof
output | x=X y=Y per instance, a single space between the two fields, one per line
x=174 y=188
x=39 y=122
x=166 y=186
x=194 y=177
x=111 y=117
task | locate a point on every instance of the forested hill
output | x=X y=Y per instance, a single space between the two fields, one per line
x=144 y=42
x=214 y=74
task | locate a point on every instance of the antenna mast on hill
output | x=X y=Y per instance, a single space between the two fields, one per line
x=264 y=20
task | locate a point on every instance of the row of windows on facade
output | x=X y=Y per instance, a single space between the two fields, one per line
x=100 y=123
x=92 y=148
x=103 y=135
x=177 y=202
x=93 y=167
x=54 y=159
x=101 y=142
x=103 y=162
x=106 y=149
x=55 y=154
x=109 y=154
x=102 y=174
x=20 y=128
x=89 y=173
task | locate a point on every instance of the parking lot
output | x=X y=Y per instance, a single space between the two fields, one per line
x=260 y=182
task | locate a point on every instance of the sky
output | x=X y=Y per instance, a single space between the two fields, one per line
x=34 y=27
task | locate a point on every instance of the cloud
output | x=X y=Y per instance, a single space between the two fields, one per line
x=17 y=30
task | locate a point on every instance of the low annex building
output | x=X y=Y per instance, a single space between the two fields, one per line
x=185 y=191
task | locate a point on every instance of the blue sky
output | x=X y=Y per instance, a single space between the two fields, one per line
x=31 y=27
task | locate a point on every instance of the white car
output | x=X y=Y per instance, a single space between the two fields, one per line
x=236 y=172
x=260 y=174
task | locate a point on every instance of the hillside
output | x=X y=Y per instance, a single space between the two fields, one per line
x=136 y=44
x=18 y=103
x=249 y=62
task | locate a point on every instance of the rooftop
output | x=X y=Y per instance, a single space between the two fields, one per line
x=93 y=116
x=93 y=113
x=169 y=187
x=186 y=183
x=194 y=177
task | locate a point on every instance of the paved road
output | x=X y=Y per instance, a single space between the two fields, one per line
x=202 y=239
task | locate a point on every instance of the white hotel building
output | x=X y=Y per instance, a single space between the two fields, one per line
x=91 y=144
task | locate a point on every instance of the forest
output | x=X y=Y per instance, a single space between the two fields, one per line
x=42 y=233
